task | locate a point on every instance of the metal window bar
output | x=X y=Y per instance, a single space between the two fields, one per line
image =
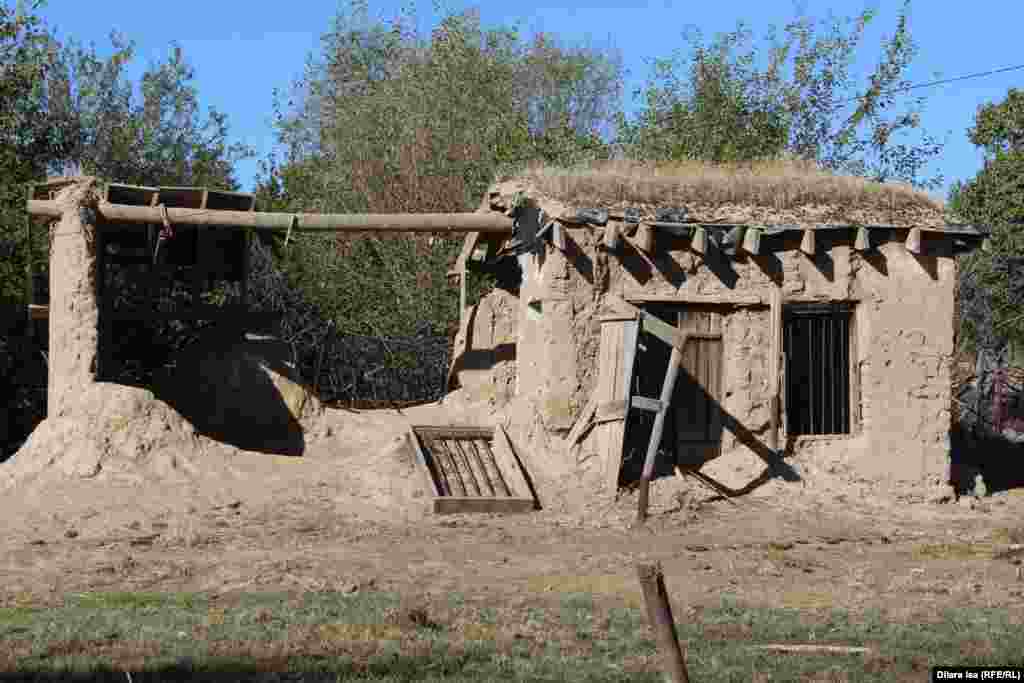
x=817 y=354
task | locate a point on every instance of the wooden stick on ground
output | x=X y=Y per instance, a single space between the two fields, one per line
x=707 y=481
x=659 y=613
x=816 y=649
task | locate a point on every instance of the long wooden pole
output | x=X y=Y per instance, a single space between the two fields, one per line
x=304 y=222
x=659 y=613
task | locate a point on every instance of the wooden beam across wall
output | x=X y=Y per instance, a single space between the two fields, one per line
x=305 y=222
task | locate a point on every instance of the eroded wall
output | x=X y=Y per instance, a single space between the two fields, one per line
x=74 y=310
x=903 y=327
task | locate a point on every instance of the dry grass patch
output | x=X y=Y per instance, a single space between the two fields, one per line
x=956 y=551
x=601 y=584
x=1008 y=536
x=773 y=186
x=809 y=600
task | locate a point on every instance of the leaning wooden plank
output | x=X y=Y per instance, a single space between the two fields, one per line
x=508 y=463
x=448 y=505
x=583 y=421
x=609 y=417
x=413 y=443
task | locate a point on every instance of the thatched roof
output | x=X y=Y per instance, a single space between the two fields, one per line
x=777 y=192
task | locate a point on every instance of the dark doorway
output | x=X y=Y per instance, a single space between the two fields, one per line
x=693 y=429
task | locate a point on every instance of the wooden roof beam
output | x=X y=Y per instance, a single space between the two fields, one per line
x=304 y=222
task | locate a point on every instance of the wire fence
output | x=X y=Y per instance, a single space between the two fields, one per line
x=343 y=369
x=348 y=367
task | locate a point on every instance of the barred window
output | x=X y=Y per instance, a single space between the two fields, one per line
x=816 y=340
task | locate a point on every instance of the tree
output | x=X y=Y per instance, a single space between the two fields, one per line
x=33 y=135
x=389 y=120
x=64 y=109
x=156 y=138
x=732 y=99
x=991 y=285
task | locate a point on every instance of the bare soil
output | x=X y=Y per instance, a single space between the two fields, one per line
x=349 y=515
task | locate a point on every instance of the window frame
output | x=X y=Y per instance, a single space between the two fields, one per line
x=795 y=423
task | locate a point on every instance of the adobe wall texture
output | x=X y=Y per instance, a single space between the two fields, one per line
x=903 y=322
x=74 y=308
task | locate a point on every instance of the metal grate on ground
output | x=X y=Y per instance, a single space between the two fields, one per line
x=471 y=469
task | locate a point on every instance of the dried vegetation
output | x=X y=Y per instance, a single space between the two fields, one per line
x=768 y=191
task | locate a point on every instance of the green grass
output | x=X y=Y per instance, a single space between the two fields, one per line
x=372 y=637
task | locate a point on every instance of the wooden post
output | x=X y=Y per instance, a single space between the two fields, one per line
x=659 y=614
x=659 y=425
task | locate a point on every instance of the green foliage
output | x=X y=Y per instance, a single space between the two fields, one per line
x=33 y=136
x=732 y=99
x=66 y=110
x=991 y=285
x=388 y=120
x=154 y=137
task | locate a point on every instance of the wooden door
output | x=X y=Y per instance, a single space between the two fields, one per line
x=698 y=393
x=693 y=428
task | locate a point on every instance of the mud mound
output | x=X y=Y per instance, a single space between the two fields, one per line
x=226 y=393
x=113 y=429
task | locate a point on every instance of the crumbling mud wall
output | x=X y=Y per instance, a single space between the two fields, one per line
x=903 y=322
x=226 y=393
x=74 y=308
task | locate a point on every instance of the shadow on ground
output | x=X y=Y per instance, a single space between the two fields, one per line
x=998 y=460
x=239 y=391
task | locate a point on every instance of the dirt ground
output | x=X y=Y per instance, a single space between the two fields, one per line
x=262 y=522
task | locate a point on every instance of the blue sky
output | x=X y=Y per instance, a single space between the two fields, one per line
x=241 y=51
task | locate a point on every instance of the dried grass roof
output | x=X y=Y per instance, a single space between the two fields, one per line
x=762 y=192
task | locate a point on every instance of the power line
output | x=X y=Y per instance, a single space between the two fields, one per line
x=907 y=88
x=943 y=81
